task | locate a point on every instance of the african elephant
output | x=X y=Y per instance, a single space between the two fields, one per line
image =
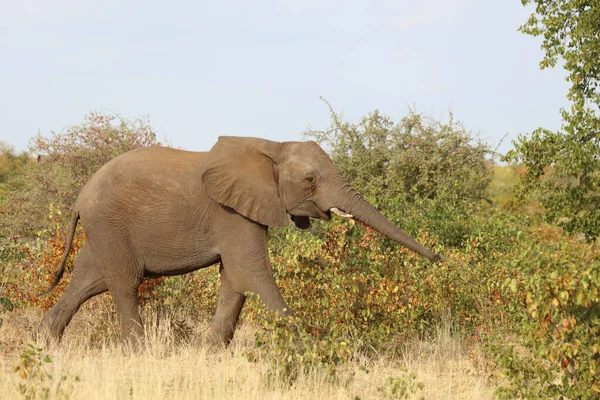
x=159 y=211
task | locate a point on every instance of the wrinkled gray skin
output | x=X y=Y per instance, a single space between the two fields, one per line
x=158 y=211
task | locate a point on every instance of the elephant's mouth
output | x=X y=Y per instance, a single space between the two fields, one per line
x=303 y=221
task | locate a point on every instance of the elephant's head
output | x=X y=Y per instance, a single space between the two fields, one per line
x=265 y=181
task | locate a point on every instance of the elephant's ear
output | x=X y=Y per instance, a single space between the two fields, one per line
x=240 y=173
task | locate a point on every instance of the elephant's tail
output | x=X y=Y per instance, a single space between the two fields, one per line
x=61 y=266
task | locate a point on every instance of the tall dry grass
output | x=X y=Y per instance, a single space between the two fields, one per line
x=91 y=363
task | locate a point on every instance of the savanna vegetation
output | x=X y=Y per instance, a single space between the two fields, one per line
x=513 y=310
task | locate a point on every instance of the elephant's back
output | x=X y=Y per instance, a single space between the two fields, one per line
x=142 y=176
x=146 y=157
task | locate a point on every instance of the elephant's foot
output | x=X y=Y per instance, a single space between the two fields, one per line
x=217 y=340
x=50 y=329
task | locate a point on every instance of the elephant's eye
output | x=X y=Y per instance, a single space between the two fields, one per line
x=311 y=180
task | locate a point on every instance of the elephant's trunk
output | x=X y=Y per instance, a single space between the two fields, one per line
x=351 y=203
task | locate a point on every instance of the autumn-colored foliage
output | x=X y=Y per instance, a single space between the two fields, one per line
x=31 y=276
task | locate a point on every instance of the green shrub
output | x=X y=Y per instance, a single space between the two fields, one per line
x=191 y=294
x=418 y=158
x=555 y=352
x=347 y=280
x=405 y=385
x=290 y=350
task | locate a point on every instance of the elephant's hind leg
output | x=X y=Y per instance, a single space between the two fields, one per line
x=122 y=274
x=87 y=282
x=123 y=288
x=124 y=295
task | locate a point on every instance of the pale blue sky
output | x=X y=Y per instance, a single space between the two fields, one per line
x=257 y=68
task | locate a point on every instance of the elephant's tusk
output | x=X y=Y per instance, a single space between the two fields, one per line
x=339 y=212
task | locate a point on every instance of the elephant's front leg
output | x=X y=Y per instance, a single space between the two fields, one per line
x=248 y=269
x=229 y=306
x=245 y=268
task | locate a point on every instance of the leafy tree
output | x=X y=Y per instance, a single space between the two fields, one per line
x=563 y=167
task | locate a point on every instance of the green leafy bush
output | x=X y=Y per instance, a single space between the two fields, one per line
x=555 y=351
x=405 y=385
x=351 y=282
x=418 y=158
x=191 y=294
x=427 y=174
x=291 y=350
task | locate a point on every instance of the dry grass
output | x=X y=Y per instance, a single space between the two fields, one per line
x=173 y=364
